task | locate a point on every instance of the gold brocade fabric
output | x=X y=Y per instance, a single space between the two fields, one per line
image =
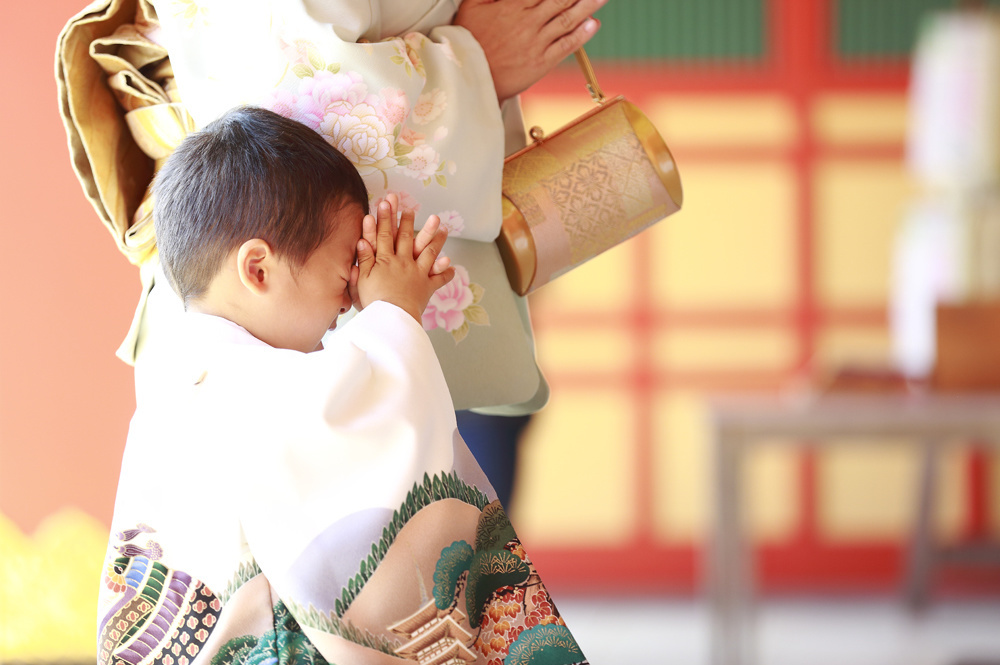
x=123 y=118
x=119 y=132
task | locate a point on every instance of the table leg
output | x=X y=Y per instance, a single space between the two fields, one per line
x=731 y=642
x=920 y=565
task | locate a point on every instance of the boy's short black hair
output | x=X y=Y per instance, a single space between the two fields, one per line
x=249 y=174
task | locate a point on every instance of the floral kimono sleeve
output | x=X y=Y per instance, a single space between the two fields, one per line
x=416 y=112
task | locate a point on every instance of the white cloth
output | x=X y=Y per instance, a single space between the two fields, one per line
x=320 y=504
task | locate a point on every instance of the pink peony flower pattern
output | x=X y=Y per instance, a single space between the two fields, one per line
x=369 y=128
x=455 y=305
x=297 y=107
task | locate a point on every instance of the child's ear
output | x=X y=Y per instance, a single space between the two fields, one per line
x=254 y=262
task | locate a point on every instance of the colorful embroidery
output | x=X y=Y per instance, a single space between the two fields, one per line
x=285 y=643
x=455 y=305
x=156 y=614
x=504 y=599
x=545 y=645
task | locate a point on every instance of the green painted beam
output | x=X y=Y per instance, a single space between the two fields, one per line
x=680 y=30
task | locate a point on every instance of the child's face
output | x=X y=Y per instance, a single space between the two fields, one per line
x=315 y=294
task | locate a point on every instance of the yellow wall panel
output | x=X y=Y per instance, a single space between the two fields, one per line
x=723 y=120
x=860 y=118
x=729 y=350
x=868 y=490
x=683 y=477
x=577 y=468
x=733 y=243
x=681 y=468
x=858 y=208
x=576 y=350
x=771 y=491
x=840 y=347
x=601 y=287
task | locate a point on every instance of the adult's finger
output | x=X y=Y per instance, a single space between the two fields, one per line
x=562 y=47
x=566 y=18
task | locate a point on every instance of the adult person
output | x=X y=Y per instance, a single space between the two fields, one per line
x=420 y=94
x=422 y=97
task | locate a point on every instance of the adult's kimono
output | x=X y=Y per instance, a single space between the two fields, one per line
x=406 y=96
x=276 y=506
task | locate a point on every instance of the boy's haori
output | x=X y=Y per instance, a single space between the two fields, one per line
x=284 y=504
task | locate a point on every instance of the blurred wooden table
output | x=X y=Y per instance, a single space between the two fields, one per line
x=929 y=421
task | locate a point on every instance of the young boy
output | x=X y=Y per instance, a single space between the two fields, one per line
x=289 y=495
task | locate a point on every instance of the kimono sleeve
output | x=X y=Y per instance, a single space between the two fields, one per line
x=416 y=112
x=338 y=448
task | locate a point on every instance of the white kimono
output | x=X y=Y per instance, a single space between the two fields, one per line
x=409 y=99
x=276 y=506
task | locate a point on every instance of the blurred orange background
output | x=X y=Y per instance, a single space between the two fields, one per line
x=775 y=274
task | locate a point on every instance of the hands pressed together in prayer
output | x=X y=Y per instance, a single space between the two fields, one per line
x=524 y=39
x=395 y=264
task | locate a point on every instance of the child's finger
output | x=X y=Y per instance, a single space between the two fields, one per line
x=352 y=285
x=393 y=201
x=366 y=260
x=384 y=233
x=440 y=265
x=404 y=237
x=428 y=257
x=426 y=234
x=368 y=229
x=440 y=279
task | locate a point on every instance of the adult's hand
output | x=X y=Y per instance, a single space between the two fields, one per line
x=524 y=39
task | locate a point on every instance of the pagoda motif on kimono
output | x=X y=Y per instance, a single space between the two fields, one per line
x=435 y=637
